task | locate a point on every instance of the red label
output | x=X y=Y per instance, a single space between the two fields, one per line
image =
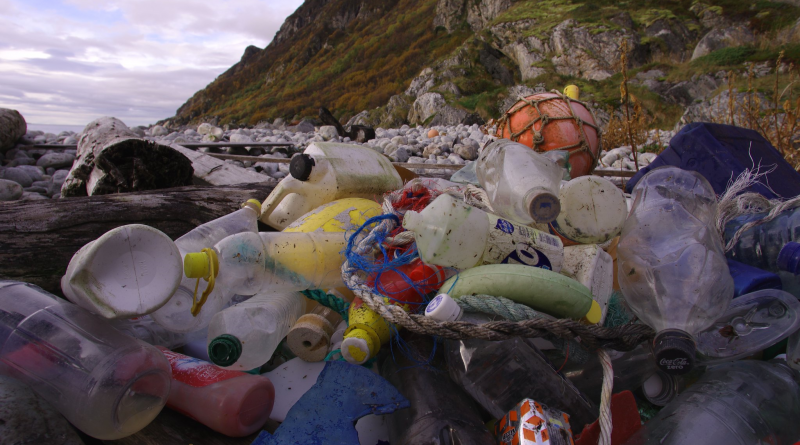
x=196 y=372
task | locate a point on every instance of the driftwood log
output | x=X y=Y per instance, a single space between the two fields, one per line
x=358 y=133
x=12 y=127
x=212 y=171
x=113 y=159
x=38 y=238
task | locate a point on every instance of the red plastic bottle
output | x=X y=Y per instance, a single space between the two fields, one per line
x=233 y=403
x=420 y=279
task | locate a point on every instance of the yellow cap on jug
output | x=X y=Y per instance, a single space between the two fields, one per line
x=359 y=346
x=255 y=203
x=198 y=265
x=594 y=315
x=572 y=91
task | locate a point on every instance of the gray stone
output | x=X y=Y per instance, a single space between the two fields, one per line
x=31 y=196
x=158 y=130
x=515 y=93
x=19 y=176
x=400 y=155
x=240 y=138
x=56 y=160
x=303 y=127
x=328 y=132
x=10 y=190
x=22 y=161
x=400 y=140
x=70 y=140
x=60 y=176
x=590 y=55
x=39 y=190
x=430 y=150
x=723 y=37
x=466 y=152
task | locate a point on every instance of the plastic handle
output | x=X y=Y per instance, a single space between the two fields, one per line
x=286 y=187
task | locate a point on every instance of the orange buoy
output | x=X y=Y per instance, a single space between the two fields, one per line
x=553 y=121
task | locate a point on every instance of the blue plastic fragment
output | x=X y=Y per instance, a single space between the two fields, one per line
x=327 y=413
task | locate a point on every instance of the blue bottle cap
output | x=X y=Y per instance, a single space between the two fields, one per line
x=789 y=258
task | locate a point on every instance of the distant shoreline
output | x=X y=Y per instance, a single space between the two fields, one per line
x=55 y=128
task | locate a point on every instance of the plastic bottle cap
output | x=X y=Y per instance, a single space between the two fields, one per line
x=357 y=347
x=224 y=350
x=674 y=351
x=653 y=386
x=300 y=167
x=443 y=308
x=544 y=207
x=572 y=91
x=196 y=265
x=789 y=258
x=594 y=315
x=255 y=203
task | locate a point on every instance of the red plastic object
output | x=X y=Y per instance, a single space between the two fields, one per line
x=560 y=131
x=624 y=418
x=410 y=282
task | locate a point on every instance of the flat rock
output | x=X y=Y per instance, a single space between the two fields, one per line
x=9 y=190
x=19 y=176
x=56 y=160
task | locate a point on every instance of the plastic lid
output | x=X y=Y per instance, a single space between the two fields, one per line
x=572 y=91
x=595 y=314
x=357 y=347
x=659 y=389
x=752 y=323
x=674 y=351
x=789 y=258
x=224 y=350
x=196 y=265
x=300 y=167
x=443 y=308
x=544 y=207
x=255 y=203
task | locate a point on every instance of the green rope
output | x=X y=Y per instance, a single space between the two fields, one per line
x=510 y=310
x=329 y=301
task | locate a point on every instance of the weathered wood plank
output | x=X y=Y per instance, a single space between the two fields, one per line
x=211 y=171
x=38 y=238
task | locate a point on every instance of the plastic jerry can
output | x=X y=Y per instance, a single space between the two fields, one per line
x=324 y=172
x=451 y=233
x=591 y=266
x=233 y=403
x=342 y=215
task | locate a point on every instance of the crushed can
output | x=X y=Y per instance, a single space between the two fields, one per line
x=531 y=423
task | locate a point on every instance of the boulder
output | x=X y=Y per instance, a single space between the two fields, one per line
x=10 y=190
x=467 y=152
x=239 y=138
x=55 y=160
x=158 y=130
x=329 y=132
x=12 y=128
x=723 y=37
x=19 y=176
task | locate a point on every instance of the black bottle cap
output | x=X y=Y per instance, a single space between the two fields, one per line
x=300 y=167
x=674 y=351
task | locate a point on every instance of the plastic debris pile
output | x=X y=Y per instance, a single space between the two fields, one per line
x=528 y=303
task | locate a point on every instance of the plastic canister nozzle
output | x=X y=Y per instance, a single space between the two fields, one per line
x=225 y=350
x=359 y=346
x=443 y=308
x=198 y=265
x=253 y=204
x=789 y=258
x=542 y=205
x=301 y=166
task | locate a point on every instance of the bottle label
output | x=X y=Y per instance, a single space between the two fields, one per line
x=196 y=372
x=510 y=243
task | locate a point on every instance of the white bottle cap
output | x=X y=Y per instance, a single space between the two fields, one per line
x=443 y=308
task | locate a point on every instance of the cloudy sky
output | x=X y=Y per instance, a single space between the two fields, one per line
x=71 y=61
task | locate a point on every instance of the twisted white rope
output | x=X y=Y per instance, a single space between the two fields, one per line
x=606 y=426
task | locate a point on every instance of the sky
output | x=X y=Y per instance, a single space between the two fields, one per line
x=71 y=61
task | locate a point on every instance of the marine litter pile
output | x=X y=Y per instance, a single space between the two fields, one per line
x=523 y=301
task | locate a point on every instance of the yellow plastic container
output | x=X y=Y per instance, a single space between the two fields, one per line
x=342 y=215
x=365 y=335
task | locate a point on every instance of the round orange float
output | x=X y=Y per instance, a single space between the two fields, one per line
x=553 y=121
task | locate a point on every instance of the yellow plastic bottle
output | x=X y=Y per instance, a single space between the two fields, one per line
x=365 y=334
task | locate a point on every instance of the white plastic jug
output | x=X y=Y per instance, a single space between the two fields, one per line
x=451 y=233
x=593 y=210
x=522 y=185
x=128 y=272
x=591 y=266
x=324 y=172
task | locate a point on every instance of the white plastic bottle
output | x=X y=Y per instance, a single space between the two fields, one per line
x=591 y=266
x=104 y=382
x=522 y=185
x=327 y=171
x=252 y=263
x=593 y=210
x=245 y=335
x=450 y=233
x=176 y=314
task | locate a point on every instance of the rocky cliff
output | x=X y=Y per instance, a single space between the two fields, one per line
x=389 y=62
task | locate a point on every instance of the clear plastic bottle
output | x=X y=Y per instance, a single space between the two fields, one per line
x=593 y=211
x=29 y=419
x=744 y=402
x=327 y=171
x=522 y=185
x=672 y=270
x=499 y=374
x=104 y=382
x=251 y=263
x=147 y=330
x=450 y=233
x=440 y=412
x=233 y=403
x=175 y=315
x=245 y=335
x=631 y=370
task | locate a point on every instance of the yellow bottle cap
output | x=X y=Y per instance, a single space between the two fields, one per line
x=255 y=203
x=572 y=91
x=358 y=347
x=196 y=265
x=594 y=315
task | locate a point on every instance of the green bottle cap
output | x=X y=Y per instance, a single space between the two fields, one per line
x=225 y=350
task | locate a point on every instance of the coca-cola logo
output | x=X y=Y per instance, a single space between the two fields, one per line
x=675 y=363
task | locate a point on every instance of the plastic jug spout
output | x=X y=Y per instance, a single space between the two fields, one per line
x=542 y=205
x=413 y=221
x=286 y=187
x=198 y=264
x=225 y=350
